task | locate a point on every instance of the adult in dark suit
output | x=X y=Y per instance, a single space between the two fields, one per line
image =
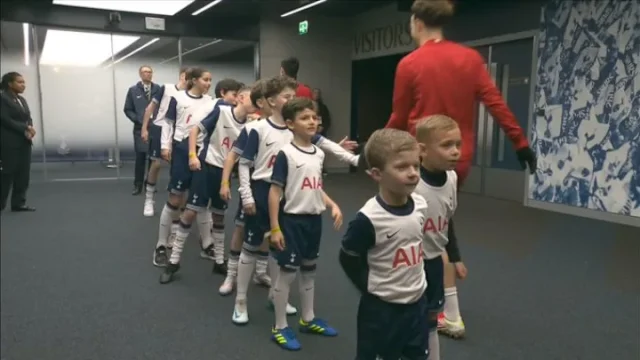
x=138 y=97
x=15 y=142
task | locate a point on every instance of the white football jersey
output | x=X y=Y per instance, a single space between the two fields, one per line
x=265 y=141
x=219 y=140
x=391 y=238
x=299 y=172
x=442 y=202
x=188 y=111
x=168 y=91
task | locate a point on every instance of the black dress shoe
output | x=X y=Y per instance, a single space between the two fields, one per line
x=23 y=208
x=137 y=189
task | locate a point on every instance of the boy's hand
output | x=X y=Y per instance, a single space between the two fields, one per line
x=461 y=270
x=249 y=209
x=144 y=135
x=347 y=144
x=165 y=154
x=336 y=214
x=225 y=193
x=277 y=240
x=194 y=163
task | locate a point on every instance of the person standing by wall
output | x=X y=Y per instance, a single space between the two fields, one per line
x=323 y=113
x=15 y=142
x=138 y=98
x=289 y=67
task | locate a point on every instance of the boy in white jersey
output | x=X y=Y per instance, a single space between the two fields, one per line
x=260 y=277
x=439 y=139
x=382 y=253
x=296 y=229
x=208 y=143
x=152 y=133
x=263 y=143
x=186 y=110
x=341 y=151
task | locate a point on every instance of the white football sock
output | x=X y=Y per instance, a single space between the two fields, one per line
x=169 y=213
x=218 y=241
x=204 y=228
x=246 y=265
x=451 y=307
x=261 y=265
x=274 y=271
x=232 y=265
x=178 y=244
x=150 y=191
x=281 y=291
x=307 y=290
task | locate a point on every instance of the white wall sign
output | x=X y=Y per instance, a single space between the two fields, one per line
x=154 y=23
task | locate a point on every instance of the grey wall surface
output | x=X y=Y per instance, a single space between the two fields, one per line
x=325 y=63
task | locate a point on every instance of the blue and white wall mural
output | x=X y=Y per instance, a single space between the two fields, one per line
x=586 y=127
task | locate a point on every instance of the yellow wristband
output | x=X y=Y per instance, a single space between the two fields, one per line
x=275 y=230
x=225 y=182
x=192 y=155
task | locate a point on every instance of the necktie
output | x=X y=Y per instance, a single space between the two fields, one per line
x=147 y=92
x=19 y=103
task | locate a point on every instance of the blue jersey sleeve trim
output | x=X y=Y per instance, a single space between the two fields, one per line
x=280 y=170
x=251 y=147
x=172 y=111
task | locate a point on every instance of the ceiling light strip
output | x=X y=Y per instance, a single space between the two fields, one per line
x=25 y=36
x=149 y=43
x=303 y=8
x=193 y=50
x=206 y=7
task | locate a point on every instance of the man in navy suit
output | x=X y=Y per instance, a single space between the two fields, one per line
x=16 y=140
x=138 y=97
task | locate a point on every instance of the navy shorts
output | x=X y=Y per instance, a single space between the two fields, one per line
x=434 y=272
x=180 y=173
x=240 y=214
x=258 y=225
x=392 y=331
x=302 y=235
x=205 y=190
x=155 y=142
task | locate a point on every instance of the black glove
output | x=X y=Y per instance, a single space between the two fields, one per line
x=527 y=157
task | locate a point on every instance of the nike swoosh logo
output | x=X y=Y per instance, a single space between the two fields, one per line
x=389 y=236
x=245 y=263
x=227 y=127
x=299 y=166
x=271 y=143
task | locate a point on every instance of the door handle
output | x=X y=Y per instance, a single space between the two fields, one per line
x=505 y=94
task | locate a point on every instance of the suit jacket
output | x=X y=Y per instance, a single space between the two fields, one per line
x=136 y=103
x=15 y=116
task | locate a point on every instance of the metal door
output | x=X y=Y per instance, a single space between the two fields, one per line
x=496 y=171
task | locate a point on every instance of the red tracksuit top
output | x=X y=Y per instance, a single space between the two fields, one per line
x=442 y=77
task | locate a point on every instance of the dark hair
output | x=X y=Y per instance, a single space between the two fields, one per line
x=9 y=78
x=225 y=85
x=290 y=66
x=257 y=91
x=277 y=84
x=184 y=70
x=145 y=66
x=295 y=106
x=433 y=13
x=194 y=73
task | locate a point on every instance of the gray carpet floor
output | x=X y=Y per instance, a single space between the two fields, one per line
x=77 y=284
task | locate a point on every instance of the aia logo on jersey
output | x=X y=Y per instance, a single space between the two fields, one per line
x=311 y=183
x=226 y=143
x=435 y=225
x=272 y=161
x=188 y=118
x=408 y=256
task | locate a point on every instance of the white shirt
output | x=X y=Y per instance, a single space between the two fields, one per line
x=299 y=172
x=390 y=238
x=187 y=111
x=442 y=202
x=218 y=132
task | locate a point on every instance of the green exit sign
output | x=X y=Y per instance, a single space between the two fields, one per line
x=303 y=27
